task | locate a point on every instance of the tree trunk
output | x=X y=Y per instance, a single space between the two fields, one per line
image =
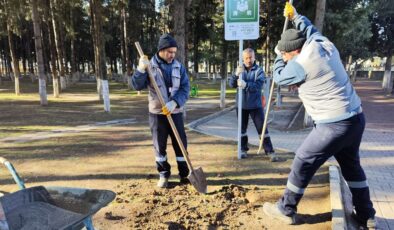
x=58 y=41
x=123 y=26
x=44 y=49
x=99 y=52
x=39 y=57
x=127 y=53
x=178 y=10
x=268 y=40
x=195 y=50
x=74 y=68
x=52 y=44
x=15 y=63
x=387 y=79
x=349 y=64
x=320 y=13
x=223 y=71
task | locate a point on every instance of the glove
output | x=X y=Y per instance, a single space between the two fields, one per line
x=241 y=83
x=169 y=107
x=277 y=51
x=290 y=12
x=143 y=64
x=239 y=70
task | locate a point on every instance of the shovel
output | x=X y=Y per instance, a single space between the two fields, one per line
x=267 y=110
x=196 y=176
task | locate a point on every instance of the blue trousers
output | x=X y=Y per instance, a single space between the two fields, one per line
x=257 y=116
x=339 y=139
x=161 y=129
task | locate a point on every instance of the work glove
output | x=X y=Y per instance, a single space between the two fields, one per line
x=277 y=51
x=290 y=12
x=169 y=107
x=241 y=83
x=239 y=70
x=143 y=64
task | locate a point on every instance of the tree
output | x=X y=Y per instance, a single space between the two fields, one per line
x=350 y=21
x=52 y=48
x=178 y=10
x=319 y=16
x=39 y=55
x=12 y=25
x=99 y=52
x=56 y=7
x=382 y=41
x=201 y=17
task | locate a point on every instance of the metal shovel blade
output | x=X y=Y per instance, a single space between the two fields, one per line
x=198 y=180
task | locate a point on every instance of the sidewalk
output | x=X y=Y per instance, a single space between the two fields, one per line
x=376 y=150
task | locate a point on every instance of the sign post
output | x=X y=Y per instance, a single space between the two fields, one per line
x=241 y=22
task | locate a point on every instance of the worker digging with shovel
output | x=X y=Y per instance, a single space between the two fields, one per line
x=174 y=85
x=310 y=62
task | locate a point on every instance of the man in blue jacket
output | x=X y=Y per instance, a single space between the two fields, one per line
x=251 y=83
x=173 y=82
x=310 y=62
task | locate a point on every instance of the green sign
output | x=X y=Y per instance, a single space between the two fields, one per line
x=242 y=11
x=241 y=19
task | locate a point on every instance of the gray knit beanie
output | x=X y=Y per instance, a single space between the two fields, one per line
x=166 y=41
x=290 y=40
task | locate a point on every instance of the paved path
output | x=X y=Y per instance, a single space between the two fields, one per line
x=65 y=131
x=376 y=151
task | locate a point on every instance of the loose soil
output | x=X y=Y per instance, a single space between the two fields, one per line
x=120 y=158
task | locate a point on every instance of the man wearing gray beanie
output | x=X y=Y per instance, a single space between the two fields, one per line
x=309 y=62
x=173 y=82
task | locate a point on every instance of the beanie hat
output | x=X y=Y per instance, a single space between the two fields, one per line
x=166 y=41
x=290 y=40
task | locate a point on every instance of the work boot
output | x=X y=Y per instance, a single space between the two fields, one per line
x=273 y=157
x=371 y=223
x=273 y=211
x=184 y=180
x=244 y=154
x=163 y=182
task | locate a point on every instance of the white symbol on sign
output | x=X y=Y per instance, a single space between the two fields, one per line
x=242 y=5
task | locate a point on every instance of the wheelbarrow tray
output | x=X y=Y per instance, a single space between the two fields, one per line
x=47 y=208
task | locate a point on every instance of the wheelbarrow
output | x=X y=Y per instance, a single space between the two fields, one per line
x=49 y=208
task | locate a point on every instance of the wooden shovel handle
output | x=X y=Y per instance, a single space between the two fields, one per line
x=270 y=96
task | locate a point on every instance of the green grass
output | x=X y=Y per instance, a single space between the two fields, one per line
x=77 y=105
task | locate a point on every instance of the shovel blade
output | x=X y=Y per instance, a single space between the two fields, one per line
x=198 y=180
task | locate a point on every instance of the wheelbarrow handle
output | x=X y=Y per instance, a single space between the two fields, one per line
x=13 y=172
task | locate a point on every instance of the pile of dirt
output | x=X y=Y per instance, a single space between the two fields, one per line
x=141 y=205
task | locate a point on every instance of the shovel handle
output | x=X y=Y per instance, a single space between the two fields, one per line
x=266 y=116
x=163 y=103
x=270 y=96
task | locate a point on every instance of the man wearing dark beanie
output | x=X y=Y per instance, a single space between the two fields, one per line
x=173 y=82
x=309 y=62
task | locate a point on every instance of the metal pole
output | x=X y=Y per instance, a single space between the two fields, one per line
x=240 y=101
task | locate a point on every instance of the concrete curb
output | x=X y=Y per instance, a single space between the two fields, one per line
x=338 y=221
